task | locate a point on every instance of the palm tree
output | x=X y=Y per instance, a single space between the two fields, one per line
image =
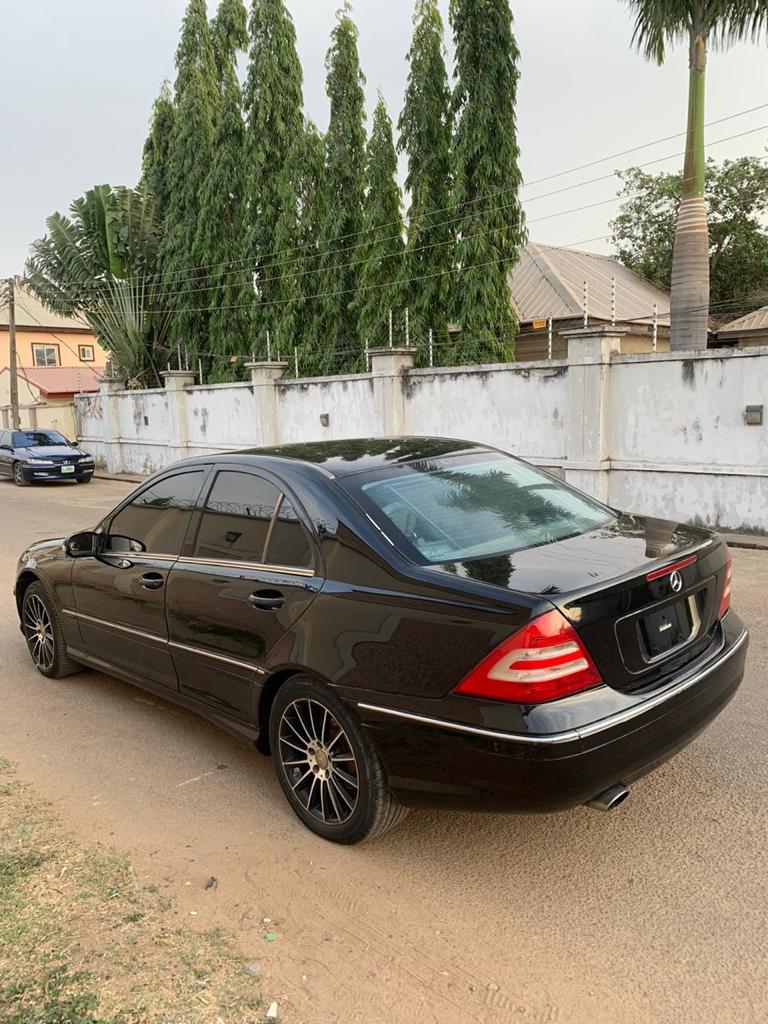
x=101 y=264
x=659 y=24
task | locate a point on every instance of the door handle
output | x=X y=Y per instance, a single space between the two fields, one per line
x=151 y=580
x=270 y=599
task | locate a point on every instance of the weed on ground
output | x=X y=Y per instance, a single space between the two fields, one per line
x=82 y=942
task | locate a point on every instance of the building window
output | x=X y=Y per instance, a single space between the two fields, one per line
x=45 y=355
x=85 y=352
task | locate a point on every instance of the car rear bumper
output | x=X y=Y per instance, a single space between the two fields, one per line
x=433 y=762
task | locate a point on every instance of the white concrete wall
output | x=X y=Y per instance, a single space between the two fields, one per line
x=663 y=433
x=674 y=410
x=521 y=409
x=223 y=416
x=348 y=401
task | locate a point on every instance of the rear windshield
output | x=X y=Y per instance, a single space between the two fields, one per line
x=472 y=506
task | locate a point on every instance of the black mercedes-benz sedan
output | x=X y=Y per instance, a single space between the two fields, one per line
x=400 y=622
x=27 y=455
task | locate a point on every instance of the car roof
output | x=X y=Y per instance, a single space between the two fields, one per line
x=356 y=455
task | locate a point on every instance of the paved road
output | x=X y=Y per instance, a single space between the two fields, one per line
x=654 y=913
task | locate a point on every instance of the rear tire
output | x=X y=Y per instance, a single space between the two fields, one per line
x=18 y=476
x=45 y=638
x=328 y=770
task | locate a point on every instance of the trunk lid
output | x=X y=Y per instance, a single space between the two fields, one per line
x=615 y=585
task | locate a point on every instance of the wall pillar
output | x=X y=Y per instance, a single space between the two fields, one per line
x=589 y=406
x=264 y=380
x=113 y=452
x=176 y=383
x=389 y=367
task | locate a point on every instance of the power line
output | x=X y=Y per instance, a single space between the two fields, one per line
x=445 y=242
x=477 y=199
x=198 y=290
x=447 y=222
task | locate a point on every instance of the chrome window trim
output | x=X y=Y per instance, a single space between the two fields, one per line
x=217 y=657
x=115 y=625
x=136 y=556
x=571 y=734
x=261 y=567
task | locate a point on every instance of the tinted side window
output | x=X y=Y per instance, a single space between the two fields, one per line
x=236 y=518
x=158 y=517
x=288 y=542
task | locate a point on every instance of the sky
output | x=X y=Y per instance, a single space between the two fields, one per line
x=78 y=79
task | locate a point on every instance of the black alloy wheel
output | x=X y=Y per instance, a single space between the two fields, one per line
x=44 y=635
x=326 y=767
x=39 y=633
x=18 y=476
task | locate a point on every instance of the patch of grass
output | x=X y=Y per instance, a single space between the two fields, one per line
x=81 y=942
x=59 y=997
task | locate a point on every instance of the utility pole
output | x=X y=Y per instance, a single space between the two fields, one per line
x=15 y=421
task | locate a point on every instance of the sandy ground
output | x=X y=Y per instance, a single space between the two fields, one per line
x=654 y=913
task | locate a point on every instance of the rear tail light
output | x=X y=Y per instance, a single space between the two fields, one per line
x=542 y=661
x=725 y=600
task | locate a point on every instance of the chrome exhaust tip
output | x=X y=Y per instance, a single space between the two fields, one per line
x=609 y=798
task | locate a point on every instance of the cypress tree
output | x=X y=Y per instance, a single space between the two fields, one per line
x=154 y=164
x=345 y=183
x=425 y=137
x=273 y=102
x=229 y=35
x=306 y=309
x=490 y=222
x=191 y=152
x=295 y=272
x=381 y=247
x=220 y=241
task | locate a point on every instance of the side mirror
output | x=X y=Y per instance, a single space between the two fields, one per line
x=6 y=447
x=83 y=545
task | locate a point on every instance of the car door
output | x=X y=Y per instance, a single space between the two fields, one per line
x=254 y=569
x=119 y=595
x=6 y=453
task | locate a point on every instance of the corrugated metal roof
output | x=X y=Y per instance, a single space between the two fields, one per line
x=63 y=380
x=549 y=281
x=30 y=312
x=751 y=322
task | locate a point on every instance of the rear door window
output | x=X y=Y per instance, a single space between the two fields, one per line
x=158 y=517
x=236 y=518
x=289 y=544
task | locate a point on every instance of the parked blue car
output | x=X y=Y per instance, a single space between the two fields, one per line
x=27 y=455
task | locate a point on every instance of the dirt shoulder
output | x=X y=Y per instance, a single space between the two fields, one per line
x=81 y=940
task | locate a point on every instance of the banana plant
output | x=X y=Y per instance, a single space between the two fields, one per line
x=101 y=264
x=660 y=24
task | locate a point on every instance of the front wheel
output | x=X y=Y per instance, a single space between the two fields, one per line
x=18 y=476
x=328 y=771
x=44 y=635
x=85 y=479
